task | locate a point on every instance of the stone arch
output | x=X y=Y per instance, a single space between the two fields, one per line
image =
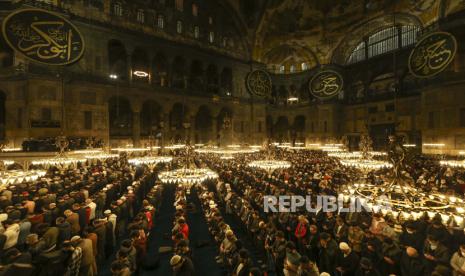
x=150 y=118
x=226 y=82
x=160 y=70
x=282 y=129
x=178 y=73
x=203 y=125
x=117 y=59
x=140 y=63
x=212 y=79
x=178 y=115
x=120 y=117
x=196 y=76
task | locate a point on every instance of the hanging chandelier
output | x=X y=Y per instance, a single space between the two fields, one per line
x=366 y=164
x=87 y=151
x=61 y=160
x=187 y=176
x=10 y=149
x=270 y=165
x=150 y=161
x=405 y=202
x=453 y=163
x=130 y=150
x=364 y=161
x=17 y=176
x=101 y=156
x=7 y=163
x=345 y=154
x=399 y=199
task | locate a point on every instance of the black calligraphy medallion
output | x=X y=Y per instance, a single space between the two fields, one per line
x=259 y=83
x=432 y=54
x=43 y=36
x=326 y=84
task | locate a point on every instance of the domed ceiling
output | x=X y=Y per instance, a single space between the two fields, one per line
x=323 y=31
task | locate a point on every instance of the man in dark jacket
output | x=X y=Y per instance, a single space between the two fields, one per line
x=435 y=253
x=347 y=260
x=64 y=230
x=411 y=264
x=328 y=253
x=411 y=237
x=182 y=266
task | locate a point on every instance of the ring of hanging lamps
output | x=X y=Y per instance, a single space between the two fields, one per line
x=345 y=154
x=365 y=164
x=87 y=151
x=453 y=163
x=150 y=160
x=227 y=151
x=7 y=162
x=63 y=162
x=101 y=156
x=227 y=157
x=187 y=175
x=175 y=146
x=405 y=202
x=130 y=149
x=17 y=176
x=270 y=165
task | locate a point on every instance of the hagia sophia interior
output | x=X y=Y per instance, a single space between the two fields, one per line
x=149 y=137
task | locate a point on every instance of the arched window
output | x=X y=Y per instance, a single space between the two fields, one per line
x=195 y=9
x=292 y=68
x=140 y=16
x=384 y=41
x=282 y=69
x=118 y=9
x=210 y=20
x=196 y=31
x=161 y=21
x=304 y=66
x=179 y=27
x=211 y=37
x=179 y=5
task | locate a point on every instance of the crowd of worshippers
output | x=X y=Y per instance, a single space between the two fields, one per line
x=71 y=221
x=332 y=243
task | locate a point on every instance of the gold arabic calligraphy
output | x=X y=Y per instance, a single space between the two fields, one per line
x=432 y=57
x=45 y=39
x=326 y=85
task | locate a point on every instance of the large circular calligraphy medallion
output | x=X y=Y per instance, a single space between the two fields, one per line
x=259 y=83
x=432 y=54
x=326 y=84
x=43 y=36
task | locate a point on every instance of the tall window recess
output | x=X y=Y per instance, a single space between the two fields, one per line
x=179 y=27
x=195 y=9
x=196 y=32
x=180 y=5
x=161 y=21
x=140 y=16
x=118 y=9
x=384 y=41
x=211 y=37
x=282 y=69
x=292 y=69
x=304 y=66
